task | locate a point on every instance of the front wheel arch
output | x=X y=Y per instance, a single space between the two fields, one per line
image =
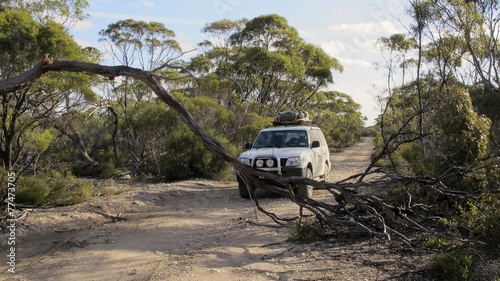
x=326 y=175
x=243 y=189
x=310 y=167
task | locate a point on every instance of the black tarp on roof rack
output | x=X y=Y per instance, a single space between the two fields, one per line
x=292 y=118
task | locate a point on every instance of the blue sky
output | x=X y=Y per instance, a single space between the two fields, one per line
x=347 y=30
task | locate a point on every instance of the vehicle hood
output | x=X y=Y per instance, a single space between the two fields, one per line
x=284 y=152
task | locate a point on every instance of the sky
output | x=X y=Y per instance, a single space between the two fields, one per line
x=346 y=30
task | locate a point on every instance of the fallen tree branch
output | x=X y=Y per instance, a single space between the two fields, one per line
x=349 y=202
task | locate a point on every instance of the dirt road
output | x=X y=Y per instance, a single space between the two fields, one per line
x=191 y=230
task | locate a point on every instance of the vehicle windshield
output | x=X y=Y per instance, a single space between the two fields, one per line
x=282 y=138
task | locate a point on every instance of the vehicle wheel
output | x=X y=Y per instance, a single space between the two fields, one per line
x=242 y=188
x=305 y=190
x=326 y=177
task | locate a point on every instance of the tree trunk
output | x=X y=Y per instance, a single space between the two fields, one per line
x=77 y=140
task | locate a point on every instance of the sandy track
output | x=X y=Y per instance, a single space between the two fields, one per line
x=192 y=230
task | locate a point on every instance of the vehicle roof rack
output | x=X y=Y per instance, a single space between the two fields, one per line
x=290 y=118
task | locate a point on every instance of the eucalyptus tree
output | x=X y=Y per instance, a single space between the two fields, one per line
x=24 y=42
x=18 y=30
x=399 y=108
x=140 y=44
x=214 y=66
x=475 y=27
x=146 y=45
x=439 y=55
x=476 y=23
x=276 y=69
x=339 y=117
x=431 y=130
x=462 y=50
x=218 y=47
x=64 y=12
x=398 y=61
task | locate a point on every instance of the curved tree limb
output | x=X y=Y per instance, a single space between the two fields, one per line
x=345 y=193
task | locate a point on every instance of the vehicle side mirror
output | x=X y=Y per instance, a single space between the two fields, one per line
x=315 y=144
x=248 y=145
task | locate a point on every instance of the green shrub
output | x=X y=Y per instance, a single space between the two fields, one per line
x=306 y=231
x=485 y=222
x=411 y=152
x=186 y=157
x=434 y=242
x=103 y=170
x=52 y=188
x=491 y=230
x=370 y=131
x=450 y=266
x=32 y=191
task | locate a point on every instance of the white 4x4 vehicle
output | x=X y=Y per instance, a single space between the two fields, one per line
x=288 y=151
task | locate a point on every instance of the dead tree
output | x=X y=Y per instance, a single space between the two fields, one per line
x=367 y=212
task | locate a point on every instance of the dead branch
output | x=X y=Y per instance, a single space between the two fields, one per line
x=361 y=211
x=111 y=217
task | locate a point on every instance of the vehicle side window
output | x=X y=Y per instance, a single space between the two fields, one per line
x=314 y=136
x=322 y=139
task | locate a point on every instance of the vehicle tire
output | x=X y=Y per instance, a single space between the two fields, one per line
x=326 y=177
x=242 y=188
x=305 y=190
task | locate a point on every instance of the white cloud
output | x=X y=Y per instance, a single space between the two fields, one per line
x=83 y=25
x=148 y=4
x=371 y=28
x=143 y=4
x=348 y=62
x=347 y=53
x=84 y=44
x=307 y=34
x=367 y=45
x=334 y=48
x=355 y=44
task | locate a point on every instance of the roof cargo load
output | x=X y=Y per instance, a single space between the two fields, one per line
x=292 y=118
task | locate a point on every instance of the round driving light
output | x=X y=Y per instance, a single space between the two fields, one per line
x=259 y=163
x=270 y=163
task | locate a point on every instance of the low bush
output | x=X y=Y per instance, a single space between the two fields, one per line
x=103 y=170
x=306 y=231
x=186 y=157
x=52 y=188
x=434 y=242
x=450 y=266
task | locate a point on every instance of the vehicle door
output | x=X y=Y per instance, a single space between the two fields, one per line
x=325 y=152
x=317 y=154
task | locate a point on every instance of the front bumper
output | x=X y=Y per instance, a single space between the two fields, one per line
x=283 y=171
x=293 y=171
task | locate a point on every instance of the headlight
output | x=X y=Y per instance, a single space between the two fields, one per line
x=245 y=161
x=294 y=161
x=259 y=163
x=270 y=162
